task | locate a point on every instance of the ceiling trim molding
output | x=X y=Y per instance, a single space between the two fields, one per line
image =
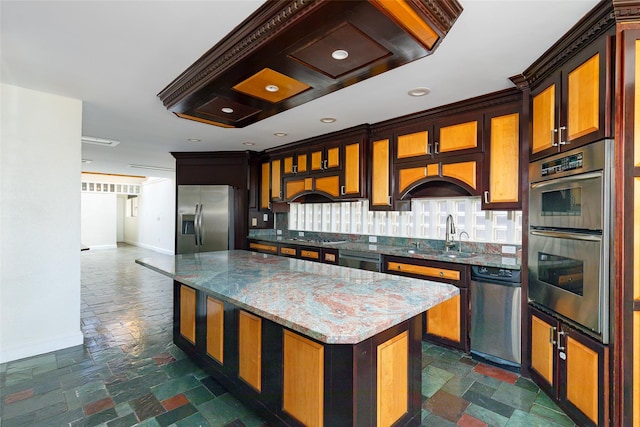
x=626 y=10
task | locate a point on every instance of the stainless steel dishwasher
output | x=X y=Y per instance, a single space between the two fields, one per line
x=359 y=259
x=496 y=315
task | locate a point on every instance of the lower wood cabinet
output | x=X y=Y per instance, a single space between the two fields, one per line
x=310 y=253
x=250 y=349
x=215 y=329
x=448 y=322
x=188 y=313
x=570 y=367
x=264 y=247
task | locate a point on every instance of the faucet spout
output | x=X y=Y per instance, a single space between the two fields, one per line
x=449 y=233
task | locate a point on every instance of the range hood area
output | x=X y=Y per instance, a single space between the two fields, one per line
x=291 y=52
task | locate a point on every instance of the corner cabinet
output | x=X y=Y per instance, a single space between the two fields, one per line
x=448 y=322
x=572 y=106
x=571 y=367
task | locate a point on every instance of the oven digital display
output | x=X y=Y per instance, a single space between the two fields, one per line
x=562 y=164
x=564 y=202
x=562 y=272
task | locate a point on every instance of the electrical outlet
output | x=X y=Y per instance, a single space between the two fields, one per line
x=373 y=239
x=279 y=232
x=254 y=222
x=300 y=233
x=265 y=217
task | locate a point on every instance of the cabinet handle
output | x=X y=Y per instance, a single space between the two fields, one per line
x=389 y=203
x=342 y=190
x=486 y=197
x=269 y=205
x=429 y=148
x=553 y=138
x=560 y=334
x=552 y=333
x=436 y=148
x=295 y=169
x=399 y=268
x=326 y=164
x=561 y=142
x=442 y=274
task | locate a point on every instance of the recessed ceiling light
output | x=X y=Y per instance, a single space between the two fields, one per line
x=419 y=91
x=193 y=140
x=87 y=161
x=327 y=120
x=271 y=88
x=155 y=168
x=249 y=144
x=280 y=134
x=99 y=141
x=227 y=110
x=339 y=54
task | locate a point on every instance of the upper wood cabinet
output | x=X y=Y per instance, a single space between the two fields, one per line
x=380 y=179
x=326 y=157
x=502 y=159
x=295 y=163
x=572 y=107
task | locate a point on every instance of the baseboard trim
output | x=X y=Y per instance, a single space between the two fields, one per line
x=21 y=351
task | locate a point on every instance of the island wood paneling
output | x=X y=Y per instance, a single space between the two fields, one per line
x=188 y=313
x=250 y=349
x=215 y=329
x=392 y=379
x=443 y=320
x=583 y=112
x=303 y=376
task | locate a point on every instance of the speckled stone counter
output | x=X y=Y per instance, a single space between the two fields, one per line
x=332 y=304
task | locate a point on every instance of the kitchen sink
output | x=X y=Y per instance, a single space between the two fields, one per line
x=450 y=254
x=458 y=254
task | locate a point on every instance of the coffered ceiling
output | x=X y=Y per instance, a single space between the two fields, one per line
x=117 y=56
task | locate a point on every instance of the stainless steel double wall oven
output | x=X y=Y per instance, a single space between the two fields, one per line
x=570 y=222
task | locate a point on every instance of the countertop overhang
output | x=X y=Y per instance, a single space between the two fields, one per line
x=332 y=304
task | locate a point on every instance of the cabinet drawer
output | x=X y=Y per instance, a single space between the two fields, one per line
x=311 y=254
x=421 y=270
x=288 y=251
x=263 y=247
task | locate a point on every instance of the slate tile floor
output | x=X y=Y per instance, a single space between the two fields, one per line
x=129 y=373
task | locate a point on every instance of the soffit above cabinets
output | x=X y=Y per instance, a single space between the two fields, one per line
x=281 y=56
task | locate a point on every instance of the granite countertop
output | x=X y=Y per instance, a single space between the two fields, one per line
x=481 y=259
x=332 y=304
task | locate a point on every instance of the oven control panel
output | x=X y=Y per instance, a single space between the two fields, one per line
x=562 y=164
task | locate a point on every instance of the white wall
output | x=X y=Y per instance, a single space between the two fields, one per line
x=120 y=218
x=39 y=222
x=156 y=215
x=99 y=220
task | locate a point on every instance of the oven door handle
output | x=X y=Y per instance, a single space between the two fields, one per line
x=566 y=235
x=573 y=178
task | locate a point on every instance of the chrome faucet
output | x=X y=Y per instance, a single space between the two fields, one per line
x=449 y=233
x=460 y=238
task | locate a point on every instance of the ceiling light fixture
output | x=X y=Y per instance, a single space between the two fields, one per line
x=87 y=161
x=227 y=110
x=328 y=120
x=419 y=91
x=193 y=140
x=99 y=141
x=271 y=88
x=339 y=54
x=249 y=144
x=280 y=134
x=154 y=168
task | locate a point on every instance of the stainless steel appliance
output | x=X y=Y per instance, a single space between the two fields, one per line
x=496 y=300
x=204 y=218
x=569 y=235
x=360 y=259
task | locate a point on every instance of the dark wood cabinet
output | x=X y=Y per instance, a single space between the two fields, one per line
x=569 y=366
x=572 y=106
x=292 y=250
x=448 y=322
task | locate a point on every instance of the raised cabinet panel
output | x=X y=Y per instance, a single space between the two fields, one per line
x=303 y=372
x=408 y=176
x=380 y=176
x=583 y=102
x=462 y=171
x=188 y=313
x=543 y=118
x=287 y=165
x=392 y=379
x=582 y=378
x=333 y=157
x=265 y=186
x=276 y=179
x=328 y=184
x=295 y=187
x=421 y=270
x=250 y=349
x=317 y=161
x=412 y=145
x=263 y=247
x=463 y=136
x=352 y=169
x=215 y=329
x=542 y=351
x=443 y=320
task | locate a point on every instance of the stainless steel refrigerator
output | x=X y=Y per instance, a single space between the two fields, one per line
x=205 y=218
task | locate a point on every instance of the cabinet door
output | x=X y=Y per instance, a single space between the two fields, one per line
x=295 y=187
x=412 y=146
x=352 y=171
x=544 y=110
x=380 y=187
x=276 y=179
x=458 y=135
x=325 y=157
x=265 y=186
x=465 y=170
x=443 y=320
x=188 y=313
x=585 y=376
x=502 y=161
x=294 y=164
x=542 y=345
x=268 y=248
x=215 y=329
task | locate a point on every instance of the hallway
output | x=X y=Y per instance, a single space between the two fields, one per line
x=128 y=372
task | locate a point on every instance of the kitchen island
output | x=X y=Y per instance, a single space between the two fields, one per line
x=304 y=343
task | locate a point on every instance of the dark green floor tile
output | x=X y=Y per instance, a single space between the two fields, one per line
x=525 y=419
x=482 y=389
x=432 y=420
x=195 y=420
x=220 y=410
x=126 y=421
x=457 y=386
x=543 y=400
x=177 y=414
x=551 y=415
x=137 y=387
x=526 y=384
x=96 y=419
x=62 y=419
x=214 y=386
x=180 y=368
x=452 y=366
x=487 y=416
x=32 y=405
x=23 y=420
x=488 y=403
x=174 y=386
x=515 y=396
x=198 y=395
x=146 y=407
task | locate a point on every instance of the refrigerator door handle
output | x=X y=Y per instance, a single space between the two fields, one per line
x=200 y=230
x=196 y=224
